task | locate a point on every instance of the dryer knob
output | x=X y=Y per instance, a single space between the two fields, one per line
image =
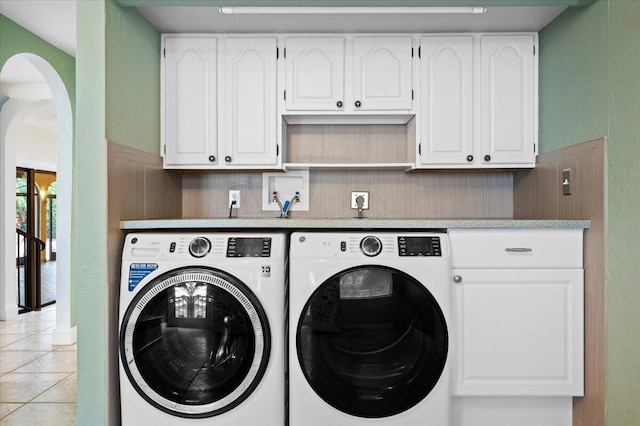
x=370 y=246
x=199 y=247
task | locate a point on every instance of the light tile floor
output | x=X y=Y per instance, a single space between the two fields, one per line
x=37 y=379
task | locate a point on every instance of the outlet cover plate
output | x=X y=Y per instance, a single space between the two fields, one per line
x=355 y=195
x=234 y=194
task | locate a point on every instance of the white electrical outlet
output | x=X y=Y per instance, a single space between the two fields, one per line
x=354 y=197
x=234 y=195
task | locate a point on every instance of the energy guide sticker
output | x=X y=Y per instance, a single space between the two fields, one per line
x=138 y=272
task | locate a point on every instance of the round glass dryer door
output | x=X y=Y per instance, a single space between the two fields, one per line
x=195 y=342
x=372 y=341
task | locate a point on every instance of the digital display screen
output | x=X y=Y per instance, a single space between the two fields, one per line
x=419 y=246
x=249 y=247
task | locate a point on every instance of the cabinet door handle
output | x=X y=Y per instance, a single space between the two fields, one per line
x=518 y=249
x=469 y=158
x=358 y=103
x=487 y=158
x=212 y=158
x=227 y=159
x=339 y=104
x=457 y=279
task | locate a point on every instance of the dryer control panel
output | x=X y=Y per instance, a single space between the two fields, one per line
x=419 y=246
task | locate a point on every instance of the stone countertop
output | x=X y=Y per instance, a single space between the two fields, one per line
x=350 y=224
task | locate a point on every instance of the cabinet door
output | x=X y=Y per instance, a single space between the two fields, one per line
x=190 y=104
x=518 y=332
x=315 y=73
x=382 y=73
x=250 y=101
x=508 y=103
x=446 y=100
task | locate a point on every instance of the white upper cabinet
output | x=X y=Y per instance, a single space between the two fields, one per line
x=349 y=74
x=478 y=101
x=446 y=100
x=189 y=101
x=315 y=73
x=249 y=93
x=382 y=74
x=509 y=100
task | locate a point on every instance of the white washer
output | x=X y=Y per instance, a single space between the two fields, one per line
x=368 y=340
x=202 y=329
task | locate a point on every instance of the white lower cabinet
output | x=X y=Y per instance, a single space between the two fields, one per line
x=518 y=312
x=518 y=332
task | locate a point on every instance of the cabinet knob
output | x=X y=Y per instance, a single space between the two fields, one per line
x=212 y=158
x=339 y=104
x=487 y=158
x=469 y=158
x=227 y=159
x=358 y=103
x=457 y=279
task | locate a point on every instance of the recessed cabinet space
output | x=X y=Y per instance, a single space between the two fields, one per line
x=478 y=101
x=219 y=102
x=518 y=315
x=350 y=74
x=189 y=101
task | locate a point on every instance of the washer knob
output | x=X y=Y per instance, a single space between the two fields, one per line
x=370 y=246
x=199 y=247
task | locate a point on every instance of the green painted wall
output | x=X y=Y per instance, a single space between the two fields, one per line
x=15 y=39
x=623 y=251
x=118 y=84
x=133 y=79
x=573 y=74
x=590 y=87
x=90 y=209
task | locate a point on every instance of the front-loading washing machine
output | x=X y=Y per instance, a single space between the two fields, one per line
x=368 y=340
x=202 y=329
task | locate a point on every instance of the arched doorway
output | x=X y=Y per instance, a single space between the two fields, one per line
x=65 y=331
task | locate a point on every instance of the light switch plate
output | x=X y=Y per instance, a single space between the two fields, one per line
x=566 y=182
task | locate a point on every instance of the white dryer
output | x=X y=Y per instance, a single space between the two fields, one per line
x=202 y=329
x=368 y=339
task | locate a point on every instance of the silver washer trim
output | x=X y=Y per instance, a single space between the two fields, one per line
x=191 y=276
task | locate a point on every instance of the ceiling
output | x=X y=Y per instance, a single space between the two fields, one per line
x=209 y=19
x=55 y=21
x=51 y=20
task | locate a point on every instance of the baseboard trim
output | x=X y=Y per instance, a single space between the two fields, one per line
x=8 y=312
x=65 y=335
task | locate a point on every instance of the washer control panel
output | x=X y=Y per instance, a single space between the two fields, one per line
x=419 y=246
x=198 y=247
x=248 y=247
x=371 y=246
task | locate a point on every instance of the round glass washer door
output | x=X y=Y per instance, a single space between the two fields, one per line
x=372 y=341
x=195 y=342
